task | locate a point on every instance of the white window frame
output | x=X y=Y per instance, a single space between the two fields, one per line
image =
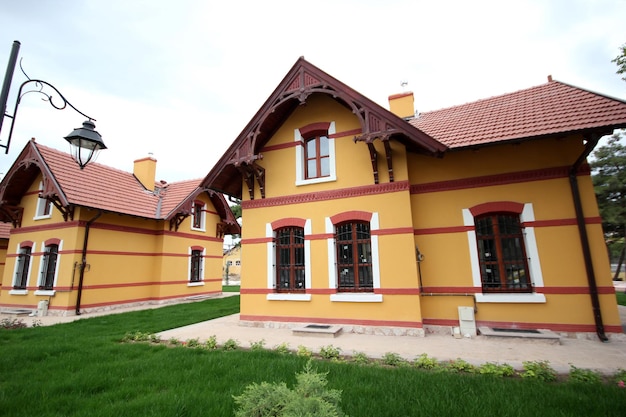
x=202 y=227
x=56 y=270
x=532 y=252
x=30 y=270
x=41 y=206
x=300 y=168
x=271 y=266
x=333 y=279
x=191 y=283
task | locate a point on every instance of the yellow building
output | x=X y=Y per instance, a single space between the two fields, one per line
x=100 y=238
x=232 y=263
x=478 y=215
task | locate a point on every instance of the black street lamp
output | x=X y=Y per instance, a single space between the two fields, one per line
x=85 y=142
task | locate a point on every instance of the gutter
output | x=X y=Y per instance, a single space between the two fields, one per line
x=592 y=141
x=84 y=260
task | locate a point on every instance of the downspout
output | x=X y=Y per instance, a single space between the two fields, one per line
x=84 y=260
x=584 y=239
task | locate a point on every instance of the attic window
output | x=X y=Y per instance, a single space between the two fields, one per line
x=44 y=207
x=199 y=214
x=315 y=155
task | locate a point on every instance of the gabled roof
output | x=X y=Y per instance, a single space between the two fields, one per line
x=100 y=187
x=554 y=108
x=303 y=80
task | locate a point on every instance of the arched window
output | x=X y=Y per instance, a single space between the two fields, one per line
x=502 y=254
x=22 y=269
x=198 y=215
x=196 y=264
x=290 y=259
x=354 y=256
x=48 y=271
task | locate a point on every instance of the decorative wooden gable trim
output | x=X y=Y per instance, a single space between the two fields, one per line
x=21 y=175
x=303 y=80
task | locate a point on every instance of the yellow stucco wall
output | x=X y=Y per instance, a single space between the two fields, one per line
x=424 y=208
x=129 y=259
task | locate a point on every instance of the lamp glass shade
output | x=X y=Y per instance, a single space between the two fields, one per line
x=85 y=143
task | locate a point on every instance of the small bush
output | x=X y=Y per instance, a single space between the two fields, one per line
x=260 y=345
x=211 y=343
x=303 y=351
x=173 y=341
x=540 y=370
x=330 y=352
x=585 y=376
x=423 y=361
x=12 y=323
x=193 y=343
x=309 y=397
x=619 y=378
x=231 y=344
x=283 y=348
x=137 y=336
x=496 y=369
x=459 y=365
x=360 y=358
x=392 y=359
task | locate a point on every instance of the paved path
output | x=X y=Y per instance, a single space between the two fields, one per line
x=588 y=354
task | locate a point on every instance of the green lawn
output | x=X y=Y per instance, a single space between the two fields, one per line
x=621 y=298
x=230 y=288
x=82 y=369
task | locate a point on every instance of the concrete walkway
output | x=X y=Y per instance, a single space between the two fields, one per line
x=606 y=357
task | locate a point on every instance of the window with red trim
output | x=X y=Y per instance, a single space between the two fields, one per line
x=198 y=215
x=50 y=257
x=195 y=274
x=290 y=264
x=317 y=156
x=23 y=264
x=502 y=253
x=354 y=256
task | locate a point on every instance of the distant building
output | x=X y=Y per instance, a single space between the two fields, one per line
x=101 y=238
x=232 y=263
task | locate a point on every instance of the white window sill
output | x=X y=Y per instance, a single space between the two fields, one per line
x=195 y=284
x=330 y=178
x=49 y=216
x=198 y=230
x=45 y=292
x=356 y=298
x=288 y=297
x=18 y=292
x=510 y=298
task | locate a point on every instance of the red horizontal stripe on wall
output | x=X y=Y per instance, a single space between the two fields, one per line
x=375 y=189
x=256 y=240
x=397 y=291
x=573 y=290
x=255 y=291
x=561 y=222
x=345 y=133
x=281 y=146
x=499 y=179
x=392 y=231
x=321 y=291
x=40 y=228
x=356 y=322
x=320 y=236
x=451 y=290
x=442 y=230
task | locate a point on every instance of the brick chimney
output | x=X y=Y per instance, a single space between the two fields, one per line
x=402 y=105
x=145 y=171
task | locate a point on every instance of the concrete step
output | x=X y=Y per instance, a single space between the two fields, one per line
x=540 y=335
x=317 y=330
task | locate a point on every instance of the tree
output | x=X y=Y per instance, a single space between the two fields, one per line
x=609 y=181
x=620 y=60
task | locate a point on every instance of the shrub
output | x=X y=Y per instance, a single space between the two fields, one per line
x=496 y=369
x=193 y=343
x=283 y=348
x=12 y=323
x=309 y=397
x=360 y=358
x=330 y=352
x=211 y=343
x=392 y=359
x=231 y=344
x=459 y=365
x=260 y=345
x=586 y=376
x=619 y=378
x=423 y=361
x=303 y=351
x=540 y=370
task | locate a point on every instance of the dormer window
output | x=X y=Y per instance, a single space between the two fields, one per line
x=44 y=207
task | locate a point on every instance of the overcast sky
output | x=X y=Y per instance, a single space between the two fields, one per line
x=181 y=79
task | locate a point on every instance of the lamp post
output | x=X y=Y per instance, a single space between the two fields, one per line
x=85 y=142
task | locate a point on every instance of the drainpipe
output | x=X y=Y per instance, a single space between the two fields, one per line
x=84 y=260
x=584 y=239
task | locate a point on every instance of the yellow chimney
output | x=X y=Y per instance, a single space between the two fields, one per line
x=402 y=105
x=145 y=171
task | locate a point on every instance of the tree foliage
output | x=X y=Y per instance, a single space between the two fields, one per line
x=609 y=181
x=620 y=60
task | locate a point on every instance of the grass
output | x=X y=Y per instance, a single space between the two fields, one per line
x=230 y=288
x=82 y=369
x=621 y=298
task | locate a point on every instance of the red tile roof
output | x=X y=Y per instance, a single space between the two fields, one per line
x=102 y=187
x=548 y=109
